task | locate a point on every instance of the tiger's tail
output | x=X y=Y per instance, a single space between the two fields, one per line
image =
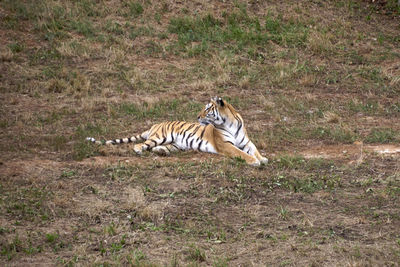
x=133 y=139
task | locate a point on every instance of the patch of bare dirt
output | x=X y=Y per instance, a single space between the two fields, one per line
x=36 y=169
x=351 y=152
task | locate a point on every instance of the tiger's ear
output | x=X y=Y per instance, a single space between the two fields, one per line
x=220 y=101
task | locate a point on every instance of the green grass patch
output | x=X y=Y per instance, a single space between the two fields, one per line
x=16 y=47
x=135 y=9
x=89 y=8
x=4 y=124
x=84 y=27
x=45 y=56
x=67 y=174
x=153 y=49
x=23 y=10
x=372 y=74
x=299 y=162
x=281 y=133
x=237 y=31
x=138 y=258
x=334 y=134
x=10 y=249
x=393 y=109
x=368 y=107
x=114 y=27
x=27 y=204
x=382 y=135
x=290 y=162
x=135 y=31
x=51 y=237
x=82 y=148
x=309 y=184
x=289 y=134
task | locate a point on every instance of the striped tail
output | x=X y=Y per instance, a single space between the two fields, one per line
x=116 y=141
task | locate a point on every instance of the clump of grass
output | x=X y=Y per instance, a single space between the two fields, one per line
x=283 y=74
x=68 y=173
x=51 y=237
x=395 y=108
x=283 y=213
x=321 y=43
x=82 y=148
x=84 y=27
x=137 y=258
x=16 y=47
x=114 y=27
x=73 y=83
x=57 y=85
x=216 y=235
x=334 y=134
x=118 y=246
x=58 y=142
x=331 y=117
x=110 y=229
x=291 y=162
x=153 y=48
x=196 y=254
x=382 y=135
x=10 y=250
x=135 y=31
x=135 y=9
x=47 y=55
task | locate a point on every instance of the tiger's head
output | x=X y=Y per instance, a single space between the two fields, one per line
x=218 y=113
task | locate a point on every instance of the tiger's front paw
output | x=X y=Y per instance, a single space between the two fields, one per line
x=161 y=150
x=255 y=163
x=264 y=160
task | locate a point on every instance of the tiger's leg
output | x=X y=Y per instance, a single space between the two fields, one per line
x=262 y=159
x=251 y=149
x=230 y=150
x=165 y=150
x=153 y=140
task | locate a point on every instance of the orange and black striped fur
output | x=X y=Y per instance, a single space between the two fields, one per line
x=220 y=130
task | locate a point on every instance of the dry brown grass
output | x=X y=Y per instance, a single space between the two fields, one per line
x=331 y=117
x=321 y=43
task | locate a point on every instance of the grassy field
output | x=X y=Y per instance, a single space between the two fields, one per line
x=317 y=83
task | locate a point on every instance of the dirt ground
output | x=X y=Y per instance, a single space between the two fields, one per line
x=318 y=86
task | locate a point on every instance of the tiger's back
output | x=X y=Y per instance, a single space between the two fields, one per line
x=181 y=135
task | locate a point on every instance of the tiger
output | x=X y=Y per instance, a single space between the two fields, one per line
x=220 y=130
